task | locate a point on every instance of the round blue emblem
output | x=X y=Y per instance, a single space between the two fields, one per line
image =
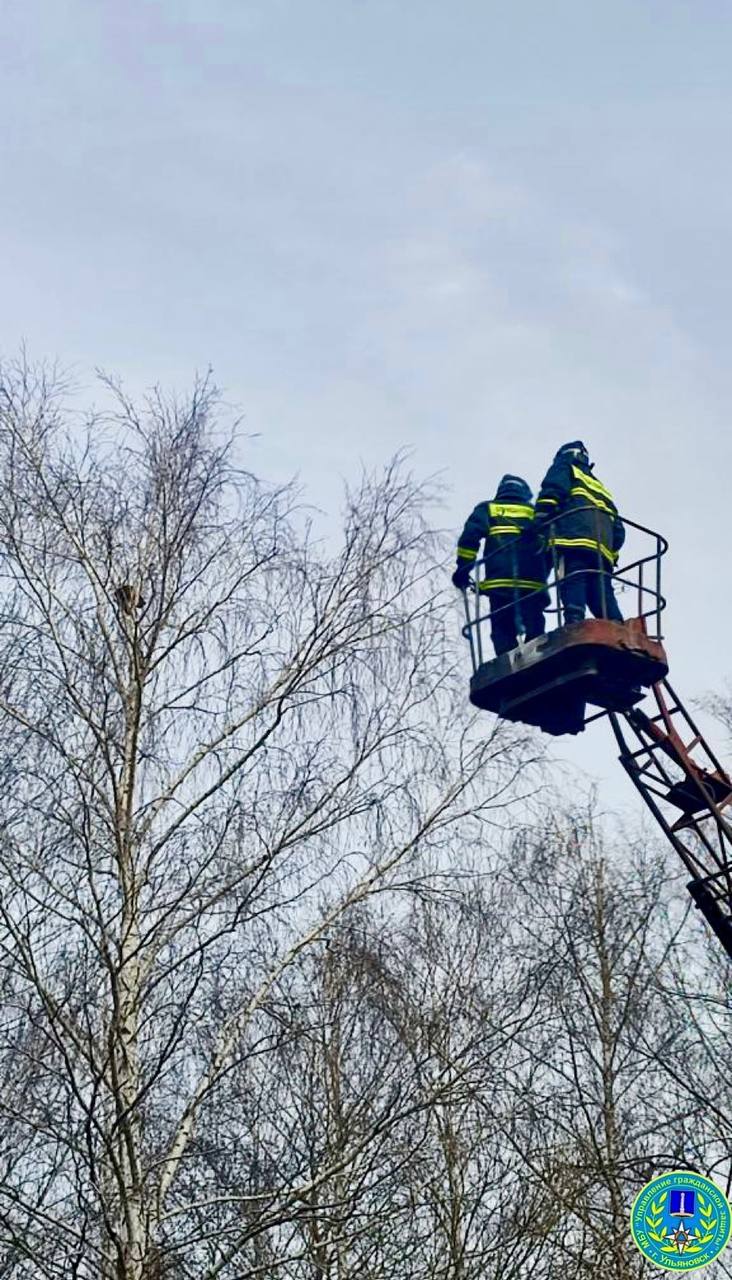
x=681 y=1221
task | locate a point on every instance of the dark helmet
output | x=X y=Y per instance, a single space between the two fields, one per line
x=514 y=489
x=576 y=449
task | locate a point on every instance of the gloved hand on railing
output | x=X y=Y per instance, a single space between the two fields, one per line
x=461 y=577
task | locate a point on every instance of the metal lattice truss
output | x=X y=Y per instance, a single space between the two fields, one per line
x=689 y=794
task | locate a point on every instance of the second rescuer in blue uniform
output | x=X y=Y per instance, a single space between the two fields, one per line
x=514 y=571
x=582 y=529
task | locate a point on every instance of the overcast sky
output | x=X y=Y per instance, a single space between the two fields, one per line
x=474 y=228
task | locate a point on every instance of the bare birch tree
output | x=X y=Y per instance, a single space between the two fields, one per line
x=605 y=1116
x=218 y=737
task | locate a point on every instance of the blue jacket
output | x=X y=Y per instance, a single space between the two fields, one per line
x=580 y=510
x=505 y=524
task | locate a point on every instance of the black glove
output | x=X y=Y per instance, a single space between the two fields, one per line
x=461 y=577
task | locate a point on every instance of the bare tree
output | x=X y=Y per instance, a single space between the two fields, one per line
x=218 y=738
x=605 y=1118
x=473 y=995
x=392 y=1091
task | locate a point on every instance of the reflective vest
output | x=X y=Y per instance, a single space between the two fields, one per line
x=587 y=518
x=510 y=560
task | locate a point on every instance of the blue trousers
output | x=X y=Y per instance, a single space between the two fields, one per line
x=587 y=582
x=515 y=610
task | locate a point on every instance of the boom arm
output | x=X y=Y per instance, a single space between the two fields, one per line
x=687 y=791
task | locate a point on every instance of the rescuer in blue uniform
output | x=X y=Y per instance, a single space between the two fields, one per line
x=581 y=528
x=514 y=570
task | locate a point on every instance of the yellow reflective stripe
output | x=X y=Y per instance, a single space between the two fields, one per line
x=495 y=529
x=579 y=492
x=594 y=543
x=511 y=510
x=591 y=482
x=554 y=502
x=464 y=553
x=591 y=543
x=491 y=584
